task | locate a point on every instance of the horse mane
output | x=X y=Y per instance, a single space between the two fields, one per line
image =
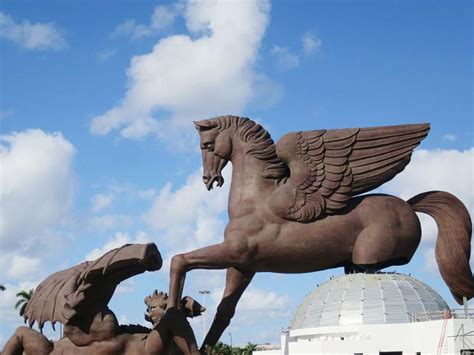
x=261 y=143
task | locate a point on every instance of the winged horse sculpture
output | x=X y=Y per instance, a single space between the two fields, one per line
x=294 y=207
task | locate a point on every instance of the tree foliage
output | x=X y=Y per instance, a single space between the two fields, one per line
x=224 y=349
x=24 y=298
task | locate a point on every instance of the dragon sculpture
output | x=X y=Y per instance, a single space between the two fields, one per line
x=78 y=297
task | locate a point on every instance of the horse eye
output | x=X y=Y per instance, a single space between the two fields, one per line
x=209 y=145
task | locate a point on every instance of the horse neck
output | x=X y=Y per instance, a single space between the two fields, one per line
x=248 y=188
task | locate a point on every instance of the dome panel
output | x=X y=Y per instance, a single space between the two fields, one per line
x=380 y=298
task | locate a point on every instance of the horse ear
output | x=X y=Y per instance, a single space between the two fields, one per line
x=204 y=125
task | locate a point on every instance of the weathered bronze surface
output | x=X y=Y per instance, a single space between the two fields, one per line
x=78 y=298
x=294 y=208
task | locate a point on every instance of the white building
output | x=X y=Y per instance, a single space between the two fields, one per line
x=382 y=313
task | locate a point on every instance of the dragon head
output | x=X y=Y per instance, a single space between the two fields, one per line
x=156 y=307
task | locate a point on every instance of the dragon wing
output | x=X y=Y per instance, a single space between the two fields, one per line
x=69 y=292
x=328 y=167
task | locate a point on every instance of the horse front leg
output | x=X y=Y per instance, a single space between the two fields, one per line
x=234 y=253
x=236 y=283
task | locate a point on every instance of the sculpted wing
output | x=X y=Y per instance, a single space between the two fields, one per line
x=328 y=167
x=66 y=293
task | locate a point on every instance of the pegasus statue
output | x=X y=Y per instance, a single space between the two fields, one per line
x=298 y=206
x=78 y=297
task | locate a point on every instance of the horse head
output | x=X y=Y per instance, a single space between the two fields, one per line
x=216 y=149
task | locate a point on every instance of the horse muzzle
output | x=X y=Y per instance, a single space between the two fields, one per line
x=210 y=180
x=213 y=166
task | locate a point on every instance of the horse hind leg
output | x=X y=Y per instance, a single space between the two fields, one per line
x=381 y=245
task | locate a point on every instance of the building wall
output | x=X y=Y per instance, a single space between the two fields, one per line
x=409 y=338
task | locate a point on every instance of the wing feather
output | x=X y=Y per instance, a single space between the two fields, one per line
x=359 y=154
x=328 y=167
x=335 y=169
x=382 y=132
x=389 y=156
x=331 y=161
x=334 y=205
x=338 y=153
x=371 y=143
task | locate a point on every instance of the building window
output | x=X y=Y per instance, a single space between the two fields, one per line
x=391 y=353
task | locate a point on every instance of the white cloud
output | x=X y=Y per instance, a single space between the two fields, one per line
x=187 y=77
x=123 y=319
x=117 y=241
x=101 y=201
x=162 y=18
x=130 y=191
x=189 y=217
x=146 y=194
x=106 y=54
x=31 y=36
x=255 y=302
x=17 y=266
x=438 y=169
x=132 y=29
x=37 y=184
x=116 y=194
x=449 y=137
x=110 y=221
x=431 y=266
x=311 y=43
x=255 y=299
x=7 y=303
x=10 y=316
x=286 y=60
x=4 y=114
x=126 y=286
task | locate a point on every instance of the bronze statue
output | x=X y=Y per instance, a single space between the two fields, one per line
x=294 y=208
x=78 y=298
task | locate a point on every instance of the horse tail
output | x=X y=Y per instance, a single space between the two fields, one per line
x=453 y=244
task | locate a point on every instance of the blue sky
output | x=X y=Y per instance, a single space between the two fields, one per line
x=98 y=147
